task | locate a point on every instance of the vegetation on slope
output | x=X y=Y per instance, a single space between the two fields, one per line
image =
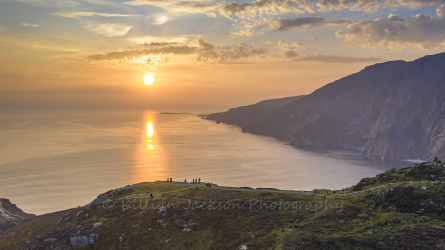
x=394 y=210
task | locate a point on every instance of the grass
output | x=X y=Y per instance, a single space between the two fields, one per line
x=394 y=214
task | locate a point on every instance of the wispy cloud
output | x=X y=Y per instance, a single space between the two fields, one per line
x=160 y=19
x=336 y=59
x=26 y=24
x=251 y=27
x=273 y=7
x=110 y=29
x=420 y=31
x=201 y=52
x=289 y=50
x=159 y=44
x=282 y=24
x=173 y=6
x=64 y=3
x=52 y=3
x=90 y=14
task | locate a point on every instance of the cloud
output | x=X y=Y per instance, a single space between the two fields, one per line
x=280 y=24
x=232 y=9
x=158 y=44
x=195 y=6
x=315 y=37
x=288 y=50
x=26 y=24
x=174 y=40
x=336 y=59
x=52 y=3
x=202 y=52
x=290 y=54
x=178 y=5
x=252 y=27
x=64 y=3
x=159 y=20
x=424 y=32
x=208 y=53
x=110 y=30
x=90 y=14
x=130 y=54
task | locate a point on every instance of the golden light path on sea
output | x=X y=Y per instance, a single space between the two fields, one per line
x=151 y=159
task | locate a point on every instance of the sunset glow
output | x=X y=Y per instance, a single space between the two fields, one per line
x=148 y=80
x=149 y=135
x=211 y=55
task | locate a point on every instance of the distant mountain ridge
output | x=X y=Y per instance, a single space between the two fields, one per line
x=246 y=115
x=388 y=111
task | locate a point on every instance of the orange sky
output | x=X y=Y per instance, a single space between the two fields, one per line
x=204 y=55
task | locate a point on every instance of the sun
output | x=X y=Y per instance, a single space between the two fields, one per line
x=148 y=80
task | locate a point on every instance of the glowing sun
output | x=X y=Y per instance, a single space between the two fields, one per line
x=148 y=80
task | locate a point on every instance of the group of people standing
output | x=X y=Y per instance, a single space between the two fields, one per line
x=194 y=181
x=185 y=181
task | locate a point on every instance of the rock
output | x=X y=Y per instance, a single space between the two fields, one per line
x=388 y=111
x=83 y=240
x=121 y=239
x=97 y=226
x=243 y=247
x=162 y=210
x=250 y=114
x=49 y=240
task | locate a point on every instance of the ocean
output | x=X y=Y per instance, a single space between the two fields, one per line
x=56 y=160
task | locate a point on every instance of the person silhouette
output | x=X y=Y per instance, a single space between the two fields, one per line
x=199 y=179
x=171 y=179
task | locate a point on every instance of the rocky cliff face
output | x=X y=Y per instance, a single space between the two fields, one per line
x=11 y=215
x=393 y=110
x=246 y=115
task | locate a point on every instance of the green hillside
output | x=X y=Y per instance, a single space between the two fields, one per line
x=394 y=210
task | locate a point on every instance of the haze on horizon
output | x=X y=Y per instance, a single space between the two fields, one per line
x=204 y=55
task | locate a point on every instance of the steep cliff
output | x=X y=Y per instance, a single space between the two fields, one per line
x=393 y=110
x=250 y=114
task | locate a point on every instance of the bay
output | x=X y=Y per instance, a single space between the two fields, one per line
x=56 y=160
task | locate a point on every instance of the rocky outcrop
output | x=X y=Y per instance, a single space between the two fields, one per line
x=81 y=241
x=9 y=212
x=393 y=110
x=246 y=115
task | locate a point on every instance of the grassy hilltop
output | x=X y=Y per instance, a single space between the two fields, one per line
x=397 y=209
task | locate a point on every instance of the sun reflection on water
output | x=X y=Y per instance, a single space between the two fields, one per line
x=151 y=159
x=150 y=135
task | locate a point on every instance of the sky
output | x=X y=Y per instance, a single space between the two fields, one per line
x=204 y=55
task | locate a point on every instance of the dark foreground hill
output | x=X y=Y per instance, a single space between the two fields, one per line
x=399 y=209
x=392 y=111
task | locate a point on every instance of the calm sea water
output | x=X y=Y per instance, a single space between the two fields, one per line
x=58 y=160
